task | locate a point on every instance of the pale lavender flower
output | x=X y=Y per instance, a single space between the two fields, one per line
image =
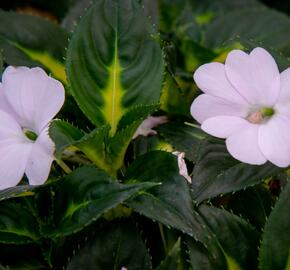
x=29 y=99
x=146 y=127
x=247 y=101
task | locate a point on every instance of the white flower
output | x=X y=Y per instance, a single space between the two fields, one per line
x=246 y=101
x=29 y=99
x=182 y=165
x=146 y=127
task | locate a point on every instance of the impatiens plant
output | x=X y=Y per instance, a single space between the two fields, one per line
x=113 y=158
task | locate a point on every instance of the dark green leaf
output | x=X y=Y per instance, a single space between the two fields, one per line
x=64 y=135
x=171 y=260
x=108 y=152
x=233 y=242
x=217 y=173
x=114 y=61
x=274 y=252
x=83 y=196
x=115 y=246
x=32 y=41
x=253 y=204
x=169 y=203
x=250 y=25
x=18 y=191
x=183 y=138
x=17 y=224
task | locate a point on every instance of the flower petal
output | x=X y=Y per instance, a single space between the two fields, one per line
x=34 y=96
x=13 y=159
x=205 y=106
x=146 y=127
x=243 y=145
x=14 y=151
x=255 y=76
x=40 y=159
x=211 y=79
x=282 y=105
x=274 y=140
x=223 y=126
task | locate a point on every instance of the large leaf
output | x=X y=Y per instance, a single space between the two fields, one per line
x=83 y=196
x=114 y=61
x=275 y=248
x=115 y=246
x=170 y=203
x=233 y=242
x=32 y=41
x=250 y=24
x=217 y=173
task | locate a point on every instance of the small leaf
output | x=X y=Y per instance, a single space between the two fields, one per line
x=64 y=135
x=114 y=61
x=115 y=246
x=183 y=138
x=217 y=173
x=83 y=196
x=17 y=191
x=171 y=260
x=108 y=152
x=274 y=252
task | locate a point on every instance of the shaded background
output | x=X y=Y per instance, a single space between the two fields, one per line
x=60 y=8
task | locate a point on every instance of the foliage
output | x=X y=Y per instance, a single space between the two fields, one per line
x=112 y=201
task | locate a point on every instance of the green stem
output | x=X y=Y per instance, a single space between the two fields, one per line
x=163 y=237
x=192 y=125
x=65 y=168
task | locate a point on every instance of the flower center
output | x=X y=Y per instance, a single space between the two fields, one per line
x=30 y=134
x=260 y=116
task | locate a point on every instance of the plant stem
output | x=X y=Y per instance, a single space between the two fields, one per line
x=192 y=125
x=65 y=168
x=163 y=237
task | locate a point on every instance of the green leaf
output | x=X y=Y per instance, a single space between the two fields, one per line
x=108 y=152
x=233 y=242
x=169 y=203
x=274 y=252
x=217 y=173
x=251 y=24
x=64 y=135
x=17 y=191
x=17 y=224
x=184 y=138
x=171 y=260
x=115 y=246
x=114 y=61
x=74 y=14
x=253 y=204
x=32 y=41
x=83 y=196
